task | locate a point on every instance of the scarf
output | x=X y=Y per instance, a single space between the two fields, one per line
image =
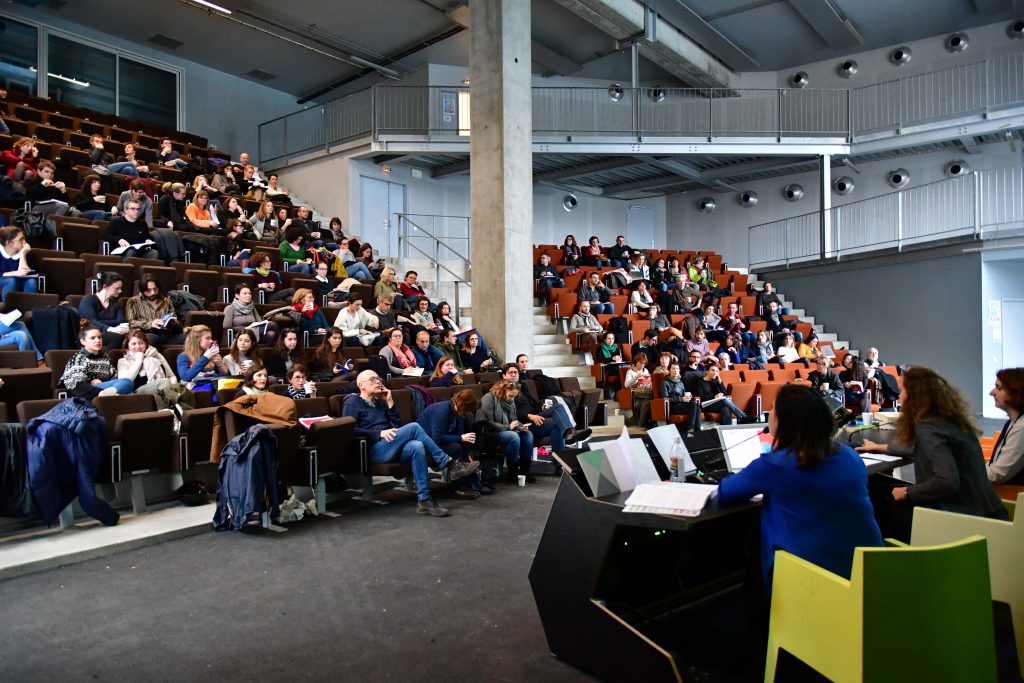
x=610 y=351
x=310 y=313
x=404 y=357
x=244 y=309
x=262 y=272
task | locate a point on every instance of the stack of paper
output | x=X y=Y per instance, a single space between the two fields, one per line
x=670 y=498
x=618 y=465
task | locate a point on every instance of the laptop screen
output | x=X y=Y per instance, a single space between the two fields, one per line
x=743 y=445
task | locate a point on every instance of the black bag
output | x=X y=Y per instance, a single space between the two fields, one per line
x=619 y=326
x=32 y=223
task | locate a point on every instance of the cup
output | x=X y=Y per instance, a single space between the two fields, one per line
x=309 y=387
x=522 y=480
x=867 y=418
x=824 y=386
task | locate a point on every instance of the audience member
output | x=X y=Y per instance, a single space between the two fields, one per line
x=448 y=344
x=268 y=280
x=201 y=358
x=421 y=317
x=571 y=254
x=378 y=420
x=1006 y=466
x=680 y=399
x=620 y=253
x=411 y=290
x=449 y=425
x=641 y=299
x=89 y=373
x=593 y=255
x=242 y=314
x=298 y=387
x=293 y=252
x=18 y=273
x=503 y=428
x=255 y=382
x=103 y=161
x=169 y=157
x=137 y=191
x=400 y=358
x=647 y=345
x=311 y=318
x=329 y=363
x=103 y=309
x=242 y=355
x=715 y=399
x=594 y=292
x=284 y=355
x=21 y=160
x=127 y=230
x=153 y=313
x=48 y=196
x=547 y=277
x=475 y=357
x=445 y=373
x=639 y=380
x=426 y=354
x=357 y=326
x=586 y=326
x=92 y=203
x=143 y=364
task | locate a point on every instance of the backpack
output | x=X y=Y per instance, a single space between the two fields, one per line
x=32 y=223
x=615 y=280
x=184 y=302
x=421 y=398
x=619 y=326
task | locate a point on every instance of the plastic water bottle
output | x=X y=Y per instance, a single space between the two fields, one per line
x=676 y=459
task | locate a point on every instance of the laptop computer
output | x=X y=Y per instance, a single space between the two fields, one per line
x=743 y=444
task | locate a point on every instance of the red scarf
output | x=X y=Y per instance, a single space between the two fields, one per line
x=404 y=356
x=310 y=313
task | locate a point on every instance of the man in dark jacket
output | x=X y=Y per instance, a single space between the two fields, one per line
x=621 y=254
x=447 y=423
x=543 y=420
x=378 y=420
x=129 y=229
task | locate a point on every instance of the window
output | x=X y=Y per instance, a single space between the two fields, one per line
x=147 y=93
x=81 y=75
x=18 y=56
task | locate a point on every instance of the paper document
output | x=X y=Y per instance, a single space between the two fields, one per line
x=10 y=317
x=670 y=498
x=710 y=402
x=881 y=457
x=827 y=352
x=307 y=422
x=121 y=250
x=256 y=325
x=712 y=320
x=412 y=372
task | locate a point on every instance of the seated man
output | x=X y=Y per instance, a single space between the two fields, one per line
x=426 y=354
x=890 y=388
x=386 y=317
x=648 y=345
x=597 y=294
x=168 y=156
x=680 y=399
x=778 y=325
x=48 y=197
x=547 y=276
x=378 y=420
x=356 y=325
x=448 y=344
x=548 y=387
x=99 y=159
x=586 y=326
x=137 y=191
x=128 y=229
x=714 y=399
x=621 y=254
x=153 y=313
x=544 y=420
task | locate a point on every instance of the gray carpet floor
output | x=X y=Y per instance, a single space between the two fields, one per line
x=379 y=594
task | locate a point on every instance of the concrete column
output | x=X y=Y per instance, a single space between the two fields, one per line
x=825 y=194
x=501 y=174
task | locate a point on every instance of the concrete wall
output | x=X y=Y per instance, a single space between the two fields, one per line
x=1002 y=277
x=223 y=108
x=923 y=309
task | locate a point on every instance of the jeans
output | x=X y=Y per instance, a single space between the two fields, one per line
x=518 y=446
x=300 y=268
x=411 y=444
x=96 y=215
x=727 y=409
x=124 y=168
x=358 y=270
x=123 y=386
x=554 y=426
x=18 y=335
x=689 y=408
x=244 y=256
x=545 y=284
x=4 y=130
x=175 y=163
x=605 y=308
x=18 y=284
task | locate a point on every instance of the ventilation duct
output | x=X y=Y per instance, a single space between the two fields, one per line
x=569 y=202
x=748 y=198
x=656 y=94
x=898 y=178
x=799 y=80
x=1016 y=29
x=900 y=55
x=958 y=167
x=706 y=205
x=843 y=186
x=956 y=42
x=793 y=192
x=615 y=92
x=847 y=68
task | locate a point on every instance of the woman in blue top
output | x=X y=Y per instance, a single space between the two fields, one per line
x=815 y=490
x=201 y=358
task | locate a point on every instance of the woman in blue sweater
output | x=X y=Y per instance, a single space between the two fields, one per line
x=815 y=491
x=201 y=358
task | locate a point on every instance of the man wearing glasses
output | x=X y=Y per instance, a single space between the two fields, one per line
x=387 y=319
x=378 y=420
x=129 y=229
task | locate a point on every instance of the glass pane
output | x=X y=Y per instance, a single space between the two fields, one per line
x=148 y=94
x=81 y=75
x=18 y=56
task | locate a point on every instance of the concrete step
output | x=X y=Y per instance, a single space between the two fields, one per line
x=540 y=310
x=541 y=320
x=559 y=360
x=547 y=337
x=582 y=371
x=828 y=336
x=555 y=349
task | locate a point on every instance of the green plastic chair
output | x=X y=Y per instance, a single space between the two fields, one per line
x=906 y=614
x=1005 y=554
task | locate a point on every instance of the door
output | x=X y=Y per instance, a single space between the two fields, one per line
x=379 y=203
x=1013 y=332
x=640 y=227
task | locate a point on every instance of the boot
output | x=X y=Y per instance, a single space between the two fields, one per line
x=524 y=469
x=513 y=473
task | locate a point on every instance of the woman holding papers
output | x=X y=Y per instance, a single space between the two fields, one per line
x=815 y=490
x=241 y=314
x=400 y=358
x=935 y=427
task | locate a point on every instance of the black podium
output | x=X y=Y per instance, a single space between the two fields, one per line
x=602 y=578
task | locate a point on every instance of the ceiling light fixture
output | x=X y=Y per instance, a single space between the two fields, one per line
x=204 y=3
x=69 y=79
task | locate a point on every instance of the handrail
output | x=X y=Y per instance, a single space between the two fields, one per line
x=437 y=277
x=437 y=241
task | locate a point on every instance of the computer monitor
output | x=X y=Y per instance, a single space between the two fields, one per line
x=743 y=445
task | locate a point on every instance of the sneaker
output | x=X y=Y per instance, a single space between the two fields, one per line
x=109 y=391
x=574 y=435
x=457 y=469
x=466 y=494
x=429 y=507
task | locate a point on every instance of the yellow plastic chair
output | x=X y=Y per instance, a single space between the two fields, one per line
x=1005 y=554
x=906 y=614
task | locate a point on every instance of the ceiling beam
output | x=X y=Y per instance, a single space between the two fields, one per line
x=451 y=169
x=681 y=169
x=691 y=23
x=823 y=18
x=970 y=144
x=769 y=164
x=586 y=169
x=553 y=61
x=647 y=184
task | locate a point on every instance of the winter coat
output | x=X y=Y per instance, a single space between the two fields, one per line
x=268 y=408
x=65 y=451
x=15 y=494
x=247 y=473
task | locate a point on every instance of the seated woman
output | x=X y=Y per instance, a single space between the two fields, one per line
x=665 y=361
x=571 y=254
x=735 y=348
x=936 y=430
x=680 y=398
x=92 y=203
x=329 y=363
x=660 y=277
x=788 y=353
x=593 y=254
x=498 y=412
x=856 y=383
x=638 y=268
x=15 y=264
x=808 y=348
x=262 y=225
x=201 y=358
x=609 y=354
x=242 y=355
x=298 y=387
x=241 y=313
x=104 y=310
x=639 y=380
x=90 y=373
x=237 y=253
x=284 y=355
x=387 y=284
x=268 y=280
x=205 y=222
x=423 y=318
x=1006 y=466
x=714 y=397
x=641 y=299
x=761 y=349
x=256 y=381
x=365 y=256
x=311 y=318
x=816 y=502
x=353 y=267
x=445 y=373
x=474 y=356
x=293 y=252
x=142 y=363
x=398 y=355
x=22 y=160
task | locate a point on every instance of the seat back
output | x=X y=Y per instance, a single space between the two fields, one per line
x=756 y=376
x=312 y=406
x=28 y=410
x=780 y=374
x=57 y=360
x=17 y=359
x=204 y=283
x=26 y=301
x=64 y=276
x=768 y=391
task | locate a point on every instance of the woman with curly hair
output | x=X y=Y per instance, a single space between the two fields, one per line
x=936 y=430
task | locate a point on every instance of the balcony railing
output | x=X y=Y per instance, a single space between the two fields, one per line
x=979 y=204
x=645 y=114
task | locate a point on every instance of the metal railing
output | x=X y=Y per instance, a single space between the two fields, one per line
x=711 y=114
x=428 y=243
x=978 y=204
